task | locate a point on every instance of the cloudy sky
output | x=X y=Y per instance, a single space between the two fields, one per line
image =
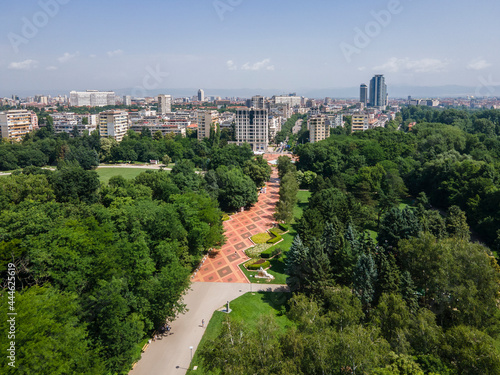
x=268 y=44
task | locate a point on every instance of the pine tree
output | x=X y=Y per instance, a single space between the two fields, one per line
x=320 y=270
x=389 y=276
x=365 y=279
x=409 y=293
x=297 y=265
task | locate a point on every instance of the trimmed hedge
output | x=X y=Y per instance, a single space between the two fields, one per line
x=256 y=266
x=283 y=227
x=269 y=253
x=275 y=231
x=276 y=239
x=261 y=238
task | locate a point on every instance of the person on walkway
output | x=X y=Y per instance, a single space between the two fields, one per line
x=202 y=323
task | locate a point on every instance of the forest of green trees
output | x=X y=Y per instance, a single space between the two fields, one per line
x=394 y=267
x=100 y=266
x=393 y=271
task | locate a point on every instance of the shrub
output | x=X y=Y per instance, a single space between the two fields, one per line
x=276 y=239
x=271 y=252
x=225 y=217
x=261 y=238
x=276 y=231
x=256 y=266
x=283 y=227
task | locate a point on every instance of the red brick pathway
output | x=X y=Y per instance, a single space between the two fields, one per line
x=242 y=225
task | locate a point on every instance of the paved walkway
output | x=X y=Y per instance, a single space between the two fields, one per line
x=219 y=280
x=171 y=354
x=238 y=230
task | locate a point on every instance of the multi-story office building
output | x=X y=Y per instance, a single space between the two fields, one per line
x=363 y=94
x=164 y=104
x=127 y=100
x=252 y=127
x=15 y=124
x=205 y=121
x=65 y=122
x=201 y=95
x=91 y=98
x=378 y=91
x=292 y=101
x=319 y=128
x=113 y=124
x=257 y=102
x=359 y=123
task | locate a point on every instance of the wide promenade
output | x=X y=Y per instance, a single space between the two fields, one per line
x=217 y=281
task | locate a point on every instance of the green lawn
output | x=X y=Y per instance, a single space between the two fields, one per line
x=128 y=173
x=247 y=308
x=278 y=264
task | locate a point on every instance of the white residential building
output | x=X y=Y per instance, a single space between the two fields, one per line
x=65 y=122
x=252 y=127
x=205 y=121
x=164 y=104
x=113 y=124
x=92 y=98
x=319 y=128
x=15 y=124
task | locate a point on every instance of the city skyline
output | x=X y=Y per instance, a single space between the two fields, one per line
x=239 y=44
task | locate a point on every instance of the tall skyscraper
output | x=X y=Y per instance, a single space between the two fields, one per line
x=201 y=95
x=164 y=104
x=378 y=91
x=363 y=94
x=252 y=127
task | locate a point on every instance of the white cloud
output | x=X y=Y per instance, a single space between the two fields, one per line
x=51 y=68
x=264 y=64
x=362 y=68
x=114 y=53
x=395 y=65
x=67 y=57
x=23 y=65
x=92 y=56
x=231 y=65
x=478 y=64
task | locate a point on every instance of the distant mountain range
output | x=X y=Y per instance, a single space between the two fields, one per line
x=346 y=92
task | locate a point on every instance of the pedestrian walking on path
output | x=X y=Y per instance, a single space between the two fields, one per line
x=202 y=323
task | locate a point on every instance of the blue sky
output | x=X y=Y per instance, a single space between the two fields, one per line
x=267 y=44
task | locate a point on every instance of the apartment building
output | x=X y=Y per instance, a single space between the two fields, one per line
x=164 y=104
x=15 y=124
x=359 y=122
x=205 y=121
x=252 y=127
x=319 y=128
x=113 y=124
x=92 y=98
x=65 y=122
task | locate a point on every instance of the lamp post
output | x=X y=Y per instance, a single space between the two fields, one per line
x=191 y=353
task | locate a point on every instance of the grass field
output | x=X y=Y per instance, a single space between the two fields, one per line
x=278 y=264
x=247 y=308
x=128 y=173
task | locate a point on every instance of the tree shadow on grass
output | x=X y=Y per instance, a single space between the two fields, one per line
x=277 y=300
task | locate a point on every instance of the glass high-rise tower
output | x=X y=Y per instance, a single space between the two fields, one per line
x=378 y=91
